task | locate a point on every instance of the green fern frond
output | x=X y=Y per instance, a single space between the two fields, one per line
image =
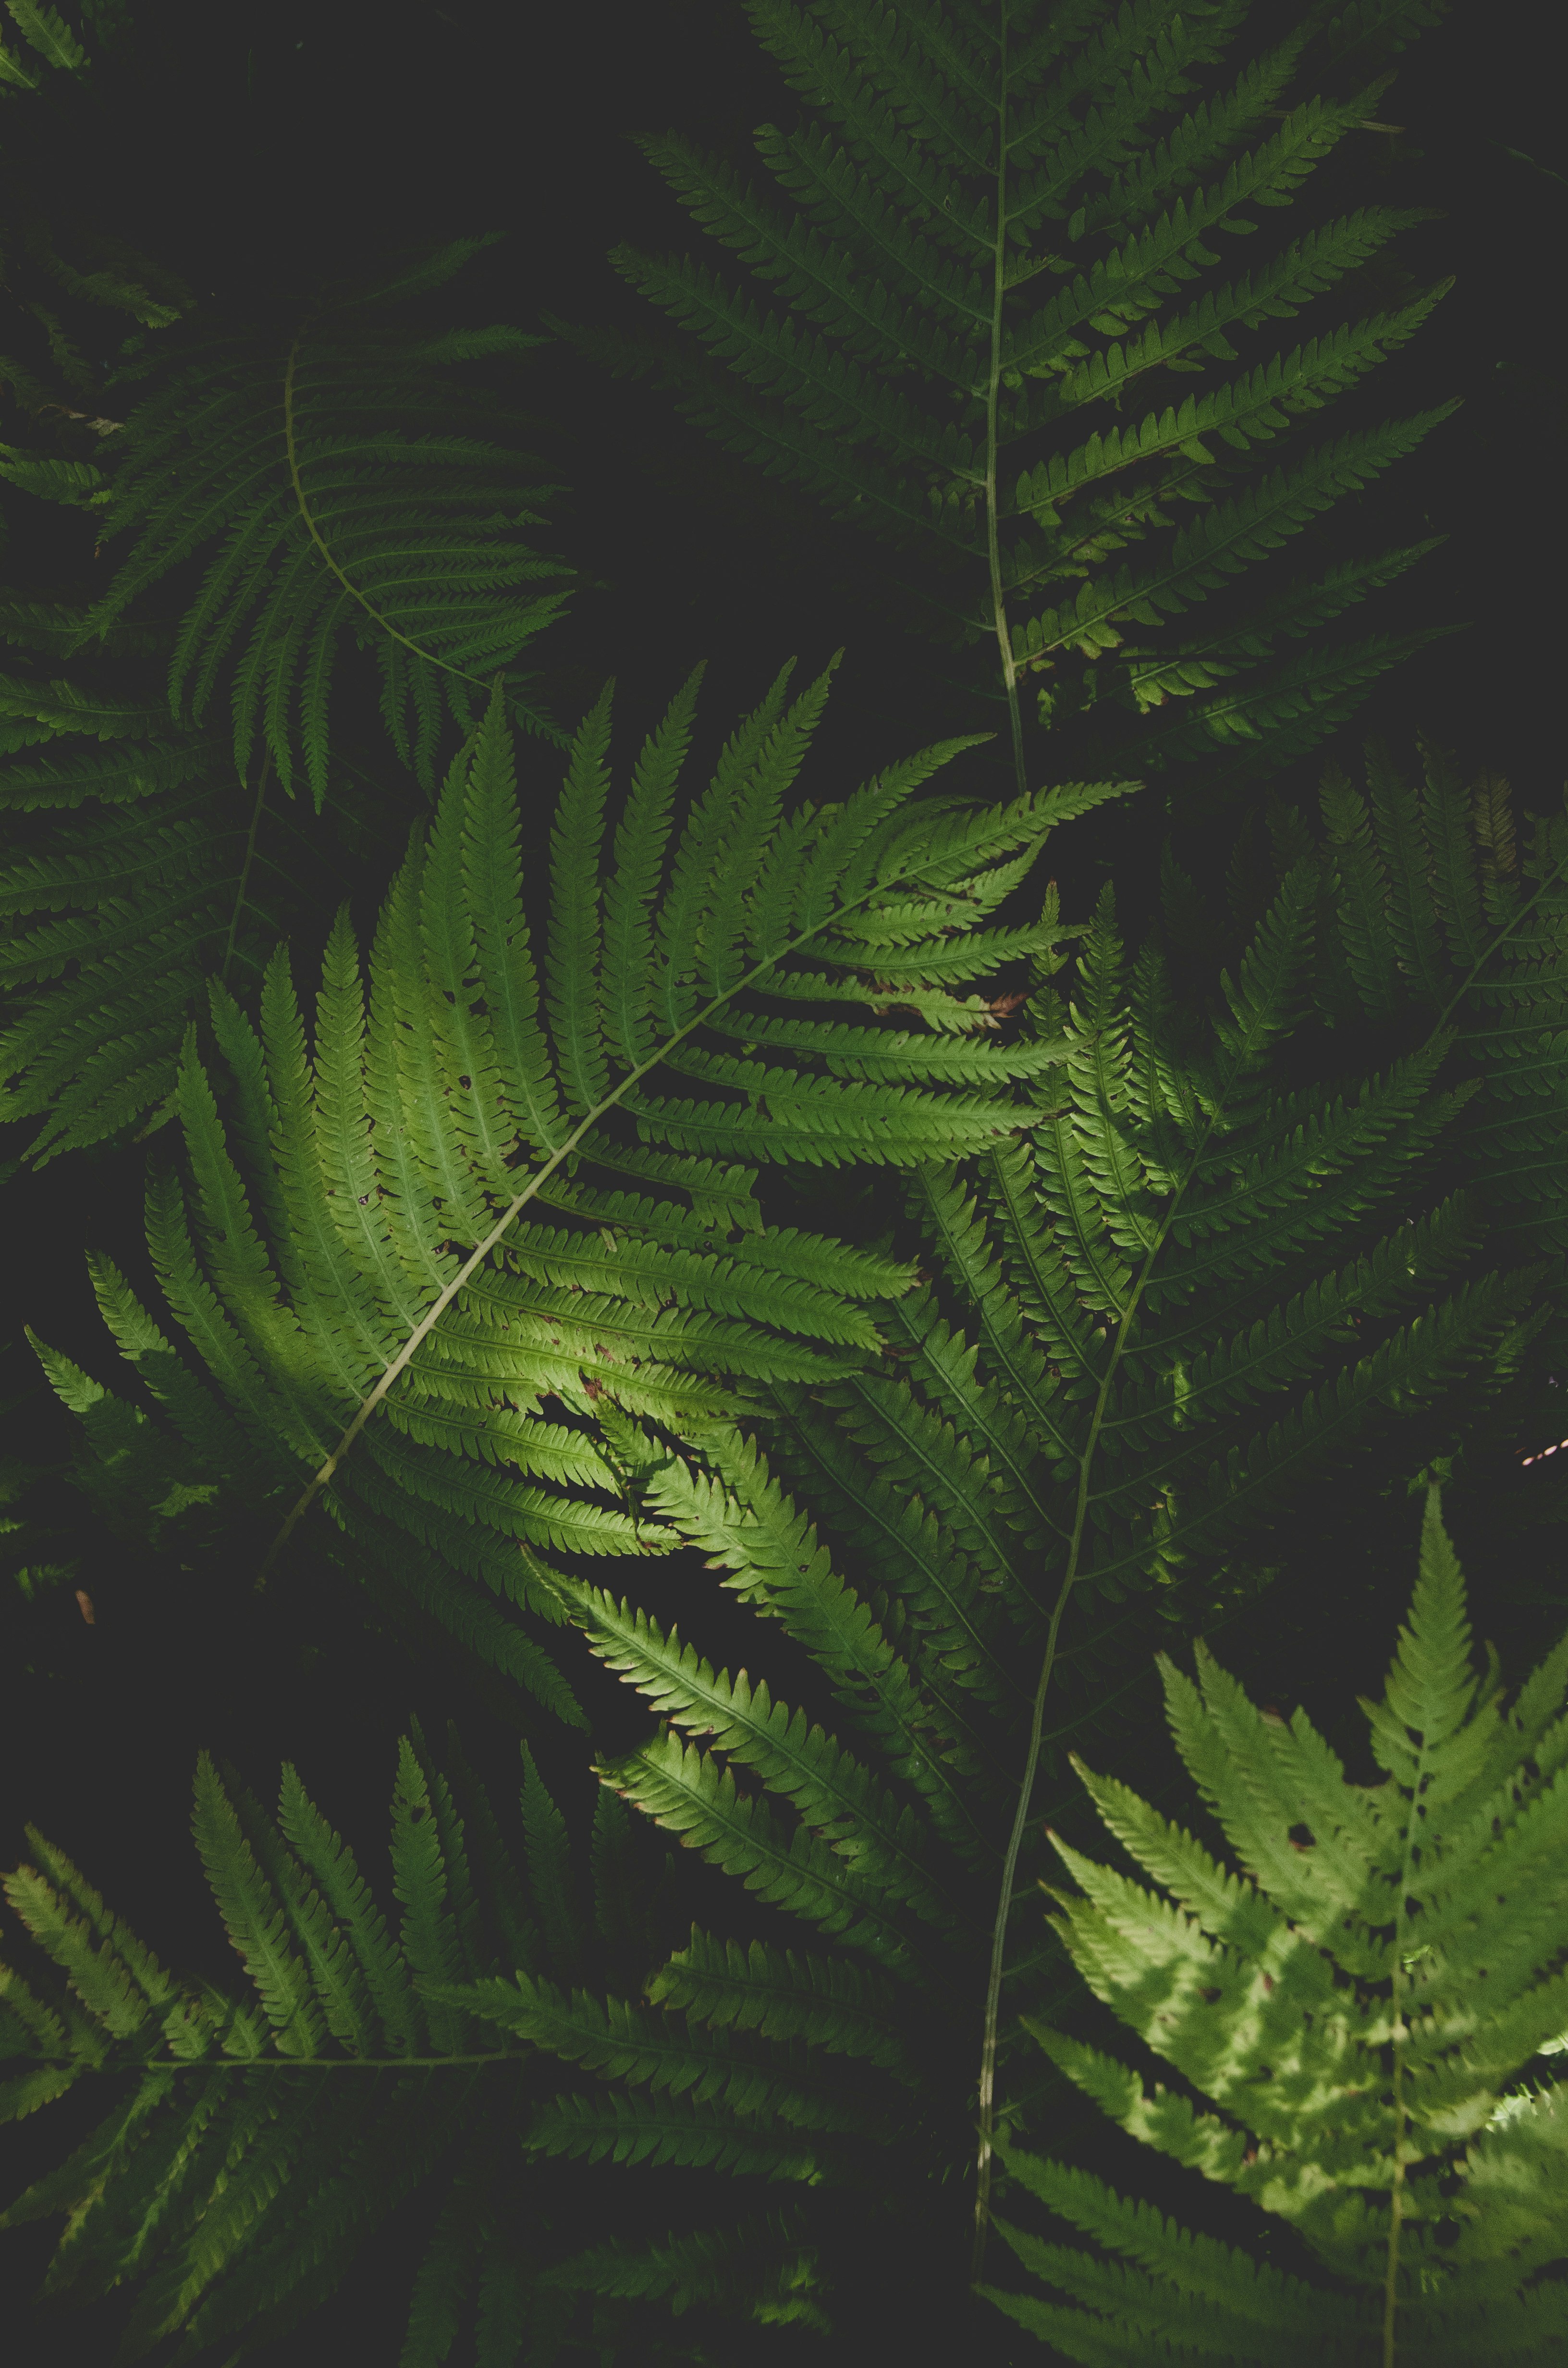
x=889 y=348
x=149 y=871
x=1436 y=914
x=349 y=1216
x=1328 y=2001
x=833 y=1794
x=350 y=484
x=355 y=487
x=1148 y=1319
x=668 y=2130
x=760 y=2267
x=686 y=1790
x=656 y=2050
x=831 y=2002
x=252 y=2145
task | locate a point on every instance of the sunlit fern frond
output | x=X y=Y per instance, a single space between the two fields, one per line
x=486 y=1187
x=1353 y=2010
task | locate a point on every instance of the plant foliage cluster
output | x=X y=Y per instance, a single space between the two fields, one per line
x=941 y=1297
x=994 y=316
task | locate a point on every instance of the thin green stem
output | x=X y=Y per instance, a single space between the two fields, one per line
x=987 y=2097
x=992 y=391
x=233 y=938
x=1396 y=2196
x=541 y=1176
x=987 y=2093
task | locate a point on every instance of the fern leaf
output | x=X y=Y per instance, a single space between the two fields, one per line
x=685 y=1791
x=257 y=1920
x=1277 y=2025
x=942 y=166
x=829 y=2001
x=667 y=2130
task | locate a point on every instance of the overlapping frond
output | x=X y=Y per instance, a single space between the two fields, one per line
x=340 y=478
x=139 y=868
x=492 y=1187
x=1357 y=2006
x=1190 y=1273
x=253 y=2140
x=991 y=235
x=1146 y=1322
x=1442 y=911
x=339 y=481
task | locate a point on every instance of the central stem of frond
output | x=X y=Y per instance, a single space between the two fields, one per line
x=993 y=394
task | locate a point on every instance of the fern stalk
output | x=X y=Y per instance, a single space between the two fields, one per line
x=232 y=940
x=1402 y=2113
x=993 y=389
x=1036 y=1717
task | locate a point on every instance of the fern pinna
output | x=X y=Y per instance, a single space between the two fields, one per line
x=341 y=482
x=1356 y=2007
x=990 y=272
x=483 y=1189
x=254 y=2143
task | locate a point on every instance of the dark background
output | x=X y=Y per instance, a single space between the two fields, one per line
x=248 y=146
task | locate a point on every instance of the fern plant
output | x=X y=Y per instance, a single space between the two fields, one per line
x=1449 y=907
x=1075 y=1435
x=992 y=268
x=255 y=2139
x=1452 y=904
x=353 y=489
x=1168 y=1309
x=478 y=1193
x=139 y=868
x=1353 y=2008
x=353 y=484
x=1116 y=1390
